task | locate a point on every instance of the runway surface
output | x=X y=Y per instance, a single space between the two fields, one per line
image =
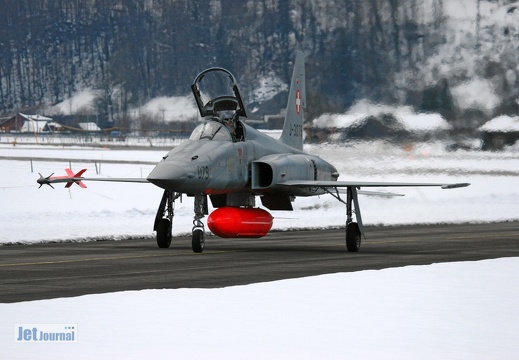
x=51 y=270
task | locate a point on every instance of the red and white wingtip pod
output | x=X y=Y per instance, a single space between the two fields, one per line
x=71 y=174
x=236 y=222
x=69 y=179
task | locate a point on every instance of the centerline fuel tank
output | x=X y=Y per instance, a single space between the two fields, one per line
x=236 y=222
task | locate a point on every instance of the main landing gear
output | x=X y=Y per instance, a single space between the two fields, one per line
x=164 y=220
x=353 y=237
x=354 y=230
x=165 y=213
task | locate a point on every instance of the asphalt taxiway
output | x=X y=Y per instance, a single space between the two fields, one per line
x=51 y=270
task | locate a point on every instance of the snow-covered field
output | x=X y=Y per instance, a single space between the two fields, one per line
x=442 y=311
x=456 y=310
x=112 y=210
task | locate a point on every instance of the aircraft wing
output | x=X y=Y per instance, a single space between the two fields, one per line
x=372 y=193
x=360 y=184
x=72 y=178
x=76 y=179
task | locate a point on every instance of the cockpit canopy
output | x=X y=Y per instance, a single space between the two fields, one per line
x=211 y=130
x=216 y=91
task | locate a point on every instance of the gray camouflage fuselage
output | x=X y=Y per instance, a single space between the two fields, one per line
x=253 y=166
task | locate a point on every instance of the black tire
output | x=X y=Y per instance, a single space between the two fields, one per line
x=198 y=242
x=164 y=234
x=353 y=237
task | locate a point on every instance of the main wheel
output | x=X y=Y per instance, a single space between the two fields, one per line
x=353 y=237
x=198 y=241
x=164 y=233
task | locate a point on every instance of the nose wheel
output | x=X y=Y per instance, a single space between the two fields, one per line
x=198 y=232
x=198 y=240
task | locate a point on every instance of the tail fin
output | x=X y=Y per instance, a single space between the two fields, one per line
x=293 y=127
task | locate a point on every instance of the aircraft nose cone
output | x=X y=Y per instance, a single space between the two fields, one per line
x=167 y=176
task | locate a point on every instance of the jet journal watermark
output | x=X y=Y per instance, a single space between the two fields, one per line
x=45 y=333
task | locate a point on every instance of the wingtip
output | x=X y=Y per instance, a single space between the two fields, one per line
x=455 y=186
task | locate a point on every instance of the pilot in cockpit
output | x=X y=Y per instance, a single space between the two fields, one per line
x=232 y=124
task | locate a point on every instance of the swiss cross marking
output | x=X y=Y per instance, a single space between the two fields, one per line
x=298 y=101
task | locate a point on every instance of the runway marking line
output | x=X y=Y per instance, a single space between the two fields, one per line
x=216 y=252
x=465 y=237
x=482 y=236
x=101 y=259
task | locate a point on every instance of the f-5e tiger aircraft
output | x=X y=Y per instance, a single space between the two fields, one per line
x=231 y=163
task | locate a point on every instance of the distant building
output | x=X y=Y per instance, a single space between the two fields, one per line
x=500 y=132
x=29 y=123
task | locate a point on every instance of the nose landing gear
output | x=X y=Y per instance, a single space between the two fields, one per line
x=164 y=220
x=198 y=234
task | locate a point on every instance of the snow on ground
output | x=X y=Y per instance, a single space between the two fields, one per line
x=175 y=108
x=364 y=109
x=104 y=210
x=464 y=310
x=83 y=99
x=456 y=310
x=474 y=94
x=269 y=86
x=503 y=123
x=84 y=141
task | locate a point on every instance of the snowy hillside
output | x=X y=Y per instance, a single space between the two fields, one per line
x=455 y=58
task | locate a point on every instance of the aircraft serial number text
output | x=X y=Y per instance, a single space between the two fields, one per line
x=203 y=172
x=296 y=130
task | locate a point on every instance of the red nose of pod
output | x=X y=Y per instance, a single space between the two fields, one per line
x=235 y=222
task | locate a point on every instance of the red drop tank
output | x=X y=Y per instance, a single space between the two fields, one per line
x=236 y=222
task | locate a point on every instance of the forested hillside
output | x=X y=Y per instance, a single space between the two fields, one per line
x=419 y=53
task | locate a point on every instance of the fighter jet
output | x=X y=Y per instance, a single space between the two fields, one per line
x=232 y=164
